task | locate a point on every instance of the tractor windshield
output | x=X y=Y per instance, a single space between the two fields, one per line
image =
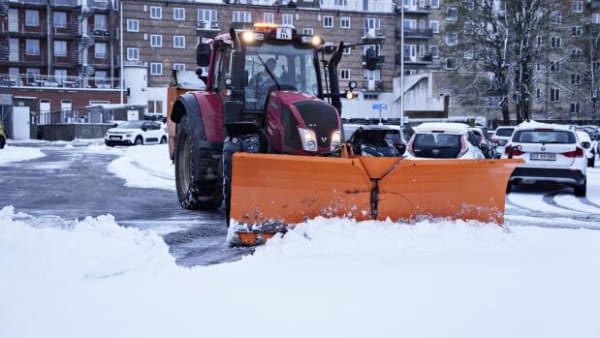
x=289 y=68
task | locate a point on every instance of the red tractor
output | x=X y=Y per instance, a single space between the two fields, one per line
x=265 y=137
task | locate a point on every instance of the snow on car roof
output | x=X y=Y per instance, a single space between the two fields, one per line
x=534 y=125
x=445 y=127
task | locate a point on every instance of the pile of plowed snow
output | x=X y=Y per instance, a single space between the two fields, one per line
x=327 y=278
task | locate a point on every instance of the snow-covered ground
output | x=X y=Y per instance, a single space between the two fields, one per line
x=326 y=278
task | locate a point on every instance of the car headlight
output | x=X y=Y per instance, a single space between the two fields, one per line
x=336 y=139
x=309 y=139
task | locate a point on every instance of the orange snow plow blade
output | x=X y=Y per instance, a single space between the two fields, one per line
x=284 y=190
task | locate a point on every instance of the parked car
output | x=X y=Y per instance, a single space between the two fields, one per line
x=594 y=137
x=484 y=143
x=586 y=143
x=2 y=136
x=443 y=140
x=136 y=132
x=552 y=153
x=375 y=140
x=501 y=137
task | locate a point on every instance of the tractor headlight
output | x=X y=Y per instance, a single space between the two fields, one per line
x=336 y=139
x=309 y=139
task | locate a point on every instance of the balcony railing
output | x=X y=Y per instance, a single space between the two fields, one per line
x=64 y=3
x=51 y=81
x=417 y=9
x=100 y=4
x=30 y=2
x=77 y=116
x=415 y=33
x=207 y=25
x=425 y=59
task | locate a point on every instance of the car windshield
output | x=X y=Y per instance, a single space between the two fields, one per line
x=544 y=136
x=131 y=125
x=504 y=131
x=436 y=140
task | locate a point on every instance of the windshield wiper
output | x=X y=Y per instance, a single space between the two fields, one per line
x=268 y=71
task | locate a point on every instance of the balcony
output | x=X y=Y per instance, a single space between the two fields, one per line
x=65 y=4
x=59 y=82
x=415 y=33
x=101 y=5
x=207 y=25
x=372 y=34
x=24 y=31
x=70 y=31
x=416 y=60
x=422 y=10
x=379 y=63
x=373 y=85
x=28 y=3
x=101 y=34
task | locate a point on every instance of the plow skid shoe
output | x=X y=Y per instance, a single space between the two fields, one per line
x=286 y=190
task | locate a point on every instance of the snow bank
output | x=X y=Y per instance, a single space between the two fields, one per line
x=145 y=167
x=326 y=278
x=12 y=154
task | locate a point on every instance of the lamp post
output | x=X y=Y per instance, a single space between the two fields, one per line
x=402 y=64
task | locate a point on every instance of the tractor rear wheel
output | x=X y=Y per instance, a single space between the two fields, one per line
x=198 y=184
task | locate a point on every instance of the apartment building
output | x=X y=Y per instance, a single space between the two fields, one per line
x=58 y=56
x=565 y=70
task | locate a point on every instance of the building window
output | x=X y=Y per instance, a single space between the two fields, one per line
x=60 y=48
x=538 y=93
x=238 y=16
x=451 y=14
x=576 y=52
x=539 y=41
x=435 y=3
x=555 y=42
x=435 y=26
x=155 y=40
x=555 y=18
x=451 y=64
x=555 y=66
x=372 y=74
x=179 y=14
x=180 y=67
x=577 y=6
x=434 y=50
x=155 y=106
x=576 y=30
x=345 y=74
x=100 y=22
x=100 y=50
x=133 y=54
x=372 y=23
x=207 y=15
x=287 y=19
x=60 y=19
x=574 y=107
x=468 y=54
x=341 y=2
x=328 y=21
x=554 y=95
x=538 y=67
x=575 y=79
x=269 y=17
x=347 y=51
x=345 y=22
x=451 y=39
x=60 y=75
x=133 y=25
x=308 y=31
x=155 y=12
x=596 y=18
x=156 y=68
x=32 y=18
x=32 y=47
x=179 y=41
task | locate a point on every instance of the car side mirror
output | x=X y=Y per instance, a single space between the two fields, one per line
x=586 y=145
x=144 y=128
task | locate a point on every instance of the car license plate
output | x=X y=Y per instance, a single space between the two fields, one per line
x=115 y=137
x=284 y=33
x=543 y=157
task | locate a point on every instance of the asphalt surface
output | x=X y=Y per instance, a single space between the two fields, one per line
x=72 y=184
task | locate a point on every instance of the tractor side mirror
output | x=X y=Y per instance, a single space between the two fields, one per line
x=203 y=55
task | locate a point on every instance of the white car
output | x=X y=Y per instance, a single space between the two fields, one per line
x=501 y=137
x=136 y=132
x=586 y=143
x=552 y=153
x=443 y=140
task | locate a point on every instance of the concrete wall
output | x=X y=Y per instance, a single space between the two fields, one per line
x=68 y=132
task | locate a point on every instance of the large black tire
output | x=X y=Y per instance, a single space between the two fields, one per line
x=197 y=178
x=591 y=161
x=581 y=189
x=139 y=141
x=163 y=140
x=2 y=142
x=229 y=148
